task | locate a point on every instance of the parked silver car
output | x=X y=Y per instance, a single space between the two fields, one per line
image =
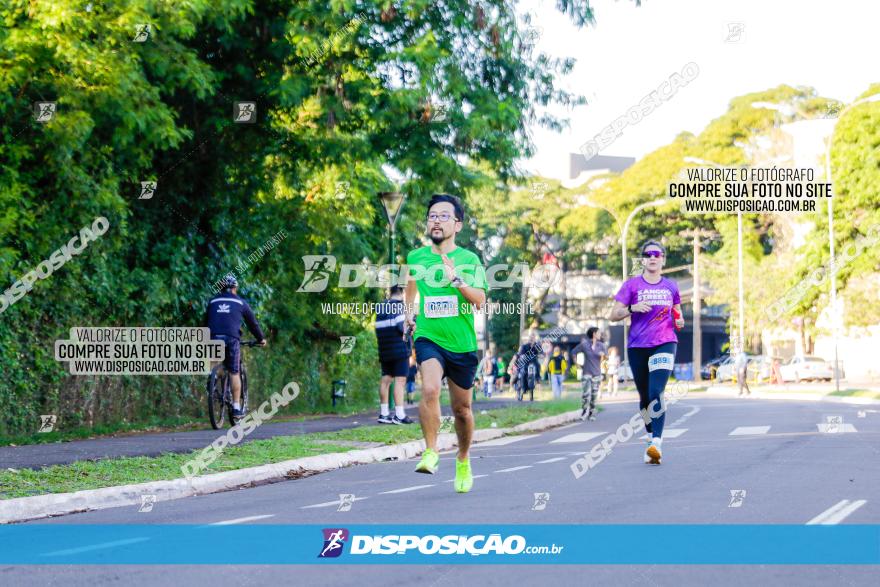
x=806 y=367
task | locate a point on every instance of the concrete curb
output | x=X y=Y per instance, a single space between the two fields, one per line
x=22 y=509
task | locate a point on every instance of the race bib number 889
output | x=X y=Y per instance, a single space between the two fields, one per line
x=660 y=361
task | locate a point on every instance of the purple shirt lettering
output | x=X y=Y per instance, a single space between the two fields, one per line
x=657 y=326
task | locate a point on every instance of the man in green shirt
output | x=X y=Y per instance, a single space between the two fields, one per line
x=451 y=283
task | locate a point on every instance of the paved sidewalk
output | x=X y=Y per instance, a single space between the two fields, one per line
x=35 y=456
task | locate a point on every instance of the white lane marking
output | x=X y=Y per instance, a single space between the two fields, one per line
x=512 y=469
x=684 y=417
x=243 y=520
x=475 y=477
x=327 y=504
x=669 y=433
x=551 y=460
x=836 y=513
x=569 y=426
x=832 y=428
x=745 y=430
x=506 y=440
x=405 y=489
x=578 y=437
x=91 y=547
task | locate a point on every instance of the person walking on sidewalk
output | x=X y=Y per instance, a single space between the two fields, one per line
x=503 y=377
x=513 y=375
x=742 y=371
x=451 y=283
x=487 y=372
x=594 y=350
x=558 y=367
x=613 y=370
x=654 y=304
x=394 y=354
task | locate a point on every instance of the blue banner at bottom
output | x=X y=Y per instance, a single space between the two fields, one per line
x=438 y=544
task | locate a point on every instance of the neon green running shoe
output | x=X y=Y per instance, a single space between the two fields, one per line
x=429 y=463
x=464 y=479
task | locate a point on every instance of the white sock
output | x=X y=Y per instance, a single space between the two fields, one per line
x=399 y=412
x=236 y=406
x=383 y=409
x=657 y=442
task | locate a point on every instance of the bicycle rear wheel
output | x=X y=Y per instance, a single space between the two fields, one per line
x=244 y=389
x=243 y=400
x=216 y=407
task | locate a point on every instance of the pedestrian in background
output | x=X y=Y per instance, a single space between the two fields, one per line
x=594 y=351
x=488 y=372
x=613 y=371
x=742 y=371
x=503 y=377
x=558 y=367
x=512 y=373
x=394 y=354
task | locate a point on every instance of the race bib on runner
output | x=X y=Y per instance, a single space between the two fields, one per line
x=661 y=361
x=441 y=307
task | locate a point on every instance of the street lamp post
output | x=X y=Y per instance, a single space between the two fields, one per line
x=739 y=253
x=392 y=203
x=785 y=108
x=834 y=309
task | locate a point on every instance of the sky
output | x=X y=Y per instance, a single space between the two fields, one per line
x=630 y=51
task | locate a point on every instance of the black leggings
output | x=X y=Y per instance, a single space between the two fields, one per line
x=651 y=377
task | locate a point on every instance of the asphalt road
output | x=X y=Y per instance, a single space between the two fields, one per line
x=35 y=456
x=791 y=472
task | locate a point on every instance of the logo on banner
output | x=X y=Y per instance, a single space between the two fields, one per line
x=334 y=540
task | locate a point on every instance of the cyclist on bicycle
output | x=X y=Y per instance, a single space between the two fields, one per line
x=529 y=354
x=223 y=317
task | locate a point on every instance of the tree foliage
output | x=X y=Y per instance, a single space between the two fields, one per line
x=440 y=91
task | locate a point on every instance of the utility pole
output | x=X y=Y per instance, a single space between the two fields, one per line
x=696 y=300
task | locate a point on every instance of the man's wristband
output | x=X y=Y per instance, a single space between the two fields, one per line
x=457 y=281
x=629 y=308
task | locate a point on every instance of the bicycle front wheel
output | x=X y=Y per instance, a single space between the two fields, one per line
x=216 y=409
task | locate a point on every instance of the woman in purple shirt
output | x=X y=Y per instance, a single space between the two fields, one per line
x=650 y=299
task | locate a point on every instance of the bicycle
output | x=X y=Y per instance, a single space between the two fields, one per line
x=527 y=381
x=219 y=391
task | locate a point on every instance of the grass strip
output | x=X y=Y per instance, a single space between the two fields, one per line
x=122 y=471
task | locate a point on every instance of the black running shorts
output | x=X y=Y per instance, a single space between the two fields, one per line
x=460 y=368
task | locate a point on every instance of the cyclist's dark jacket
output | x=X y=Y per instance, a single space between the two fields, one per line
x=529 y=353
x=224 y=314
x=389 y=331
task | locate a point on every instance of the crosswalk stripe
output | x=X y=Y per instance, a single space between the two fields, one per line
x=512 y=469
x=506 y=440
x=578 y=437
x=837 y=513
x=746 y=430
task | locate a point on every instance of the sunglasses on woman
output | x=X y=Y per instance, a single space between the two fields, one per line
x=654 y=254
